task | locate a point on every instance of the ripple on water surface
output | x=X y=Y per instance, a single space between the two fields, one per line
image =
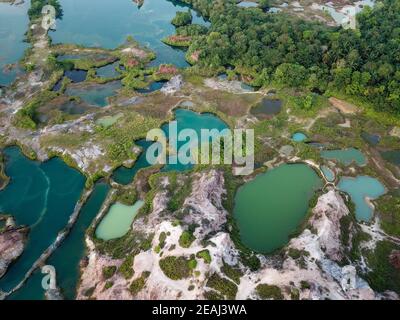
x=41 y=196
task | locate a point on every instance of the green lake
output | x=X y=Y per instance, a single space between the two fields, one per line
x=104 y=23
x=41 y=196
x=359 y=189
x=271 y=207
x=345 y=156
x=117 y=221
x=13 y=25
x=95 y=94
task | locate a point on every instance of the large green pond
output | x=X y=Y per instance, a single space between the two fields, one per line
x=13 y=25
x=271 y=207
x=117 y=221
x=345 y=156
x=41 y=196
x=107 y=24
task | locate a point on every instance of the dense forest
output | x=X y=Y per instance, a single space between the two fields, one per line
x=276 y=47
x=279 y=48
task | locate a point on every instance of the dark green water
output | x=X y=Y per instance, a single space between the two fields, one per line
x=67 y=257
x=267 y=107
x=392 y=156
x=95 y=94
x=105 y=23
x=42 y=196
x=125 y=175
x=270 y=208
x=13 y=25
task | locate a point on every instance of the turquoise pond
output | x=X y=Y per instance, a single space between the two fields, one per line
x=359 y=189
x=13 y=25
x=299 y=137
x=95 y=94
x=186 y=119
x=41 y=196
x=107 y=24
x=345 y=156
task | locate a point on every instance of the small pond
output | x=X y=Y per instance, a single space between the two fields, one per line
x=95 y=94
x=267 y=107
x=328 y=173
x=299 y=137
x=392 y=156
x=372 y=139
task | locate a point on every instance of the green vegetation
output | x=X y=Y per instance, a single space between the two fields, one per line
x=186 y=239
x=126 y=268
x=26 y=117
x=304 y=285
x=109 y=271
x=385 y=273
x=231 y=272
x=161 y=239
x=108 y=285
x=176 y=268
x=292 y=52
x=389 y=208
x=213 y=295
x=179 y=188
x=138 y=284
x=182 y=18
x=35 y=11
x=224 y=286
x=299 y=256
x=266 y=291
x=205 y=255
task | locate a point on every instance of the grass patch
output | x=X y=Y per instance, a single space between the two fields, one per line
x=268 y=292
x=186 y=239
x=176 y=268
x=224 y=286
x=384 y=275
x=205 y=255
x=232 y=273
x=109 y=271
x=138 y=284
